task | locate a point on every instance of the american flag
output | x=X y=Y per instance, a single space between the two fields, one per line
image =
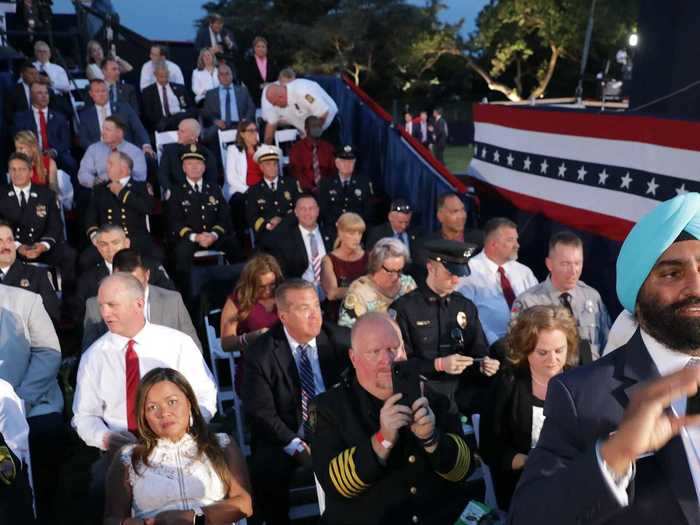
x=592 y=171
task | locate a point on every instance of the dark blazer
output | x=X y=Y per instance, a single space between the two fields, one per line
x=58 y=131
x=28 y=277
x=170 y=172
x=440 y=133
x=153 y=114
x=251 y=77
x=271 y=391
x=40 y=221
x=16 y=101
x=126 y=94
x=384 y=230
x=211 y=109
x=203 y=39
x=506 y=428
x=288 y=247
x=90 y=131
x=562 y=482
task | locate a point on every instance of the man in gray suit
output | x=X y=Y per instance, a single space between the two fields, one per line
x=225 y=106
x=30 y=357
x=163 y=307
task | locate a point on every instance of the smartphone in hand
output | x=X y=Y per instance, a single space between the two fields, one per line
x=406 y=380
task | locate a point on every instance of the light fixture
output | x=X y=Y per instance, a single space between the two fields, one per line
x=634 y=40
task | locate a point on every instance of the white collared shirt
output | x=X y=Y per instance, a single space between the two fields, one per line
x=173 y=102
x=275 y=181
x=146 y=304
x=13 y=423
x=103 y=112
x=110 y=267
x=18 y=193
x=483 y=288
x=305 y=234
x=319 y=385
x=148 y=76
x=304 y=99
x=27 y=92
x=196 y=186
x=58 y=75
x=100 y=395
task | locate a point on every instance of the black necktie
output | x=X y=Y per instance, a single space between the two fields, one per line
x=308 y=387
x=227 y=118
x=565 y=300
x=22 y=200
x=166 y=104
x=272 y=186
x=2 y=276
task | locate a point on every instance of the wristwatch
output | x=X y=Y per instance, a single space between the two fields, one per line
x=383 y=442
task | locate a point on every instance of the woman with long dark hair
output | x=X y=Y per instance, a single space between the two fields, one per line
x=178 y=471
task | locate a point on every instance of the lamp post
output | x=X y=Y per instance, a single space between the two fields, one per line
x=584 y=56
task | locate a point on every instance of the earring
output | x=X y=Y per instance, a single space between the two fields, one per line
x=191 y=421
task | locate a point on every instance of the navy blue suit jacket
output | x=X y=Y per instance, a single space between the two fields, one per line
x=58 y=131
x=90 y=131
x=562 y=482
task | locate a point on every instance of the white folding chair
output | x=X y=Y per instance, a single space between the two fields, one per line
x=485 y=470
x=226 y=137
x=163 y=138
x=285 y=137
x=225 y=393
x=52 y=272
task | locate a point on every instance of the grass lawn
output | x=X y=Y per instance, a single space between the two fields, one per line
x=457 y=158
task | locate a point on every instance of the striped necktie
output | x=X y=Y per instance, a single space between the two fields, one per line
x=308 y=387
x=133 y=376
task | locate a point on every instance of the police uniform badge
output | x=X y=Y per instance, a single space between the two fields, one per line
x=34 y=195
x=589 y=306
x=310 y=99
x=462 y=320
x=41 y=210
x=287 y=195
x=193 y=148
x=24 y=283
x=358 y=192
x=11 y=194
x=212 y=200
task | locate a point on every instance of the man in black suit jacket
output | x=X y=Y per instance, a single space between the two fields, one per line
x=439 y=134
x=215 y=101
x=16 y=273
x=619 y=443
x=282 y=371
x=91 y=128
x=160 y=113
x=20 y=97
x=57 y=128
x=287 y=242
x=215 y=36
x=37 y=225
x=397 y=226
x=119 y=92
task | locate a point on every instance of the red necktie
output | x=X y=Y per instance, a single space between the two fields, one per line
x=506 y=287
x=315 y=164
x=133 y=376
x=43 y=130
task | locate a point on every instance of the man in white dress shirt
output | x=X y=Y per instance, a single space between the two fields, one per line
x=159 y=54
x=109 y=371
x=497 y=278
x=292 y=103
x=57 y=75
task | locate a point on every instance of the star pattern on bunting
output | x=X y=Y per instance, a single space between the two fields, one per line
x=590 y=173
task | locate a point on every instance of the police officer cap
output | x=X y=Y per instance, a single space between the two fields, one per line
x=400 y=205
x=346 y=152
x=193 y=153
x=267 y=152
x=453 y=255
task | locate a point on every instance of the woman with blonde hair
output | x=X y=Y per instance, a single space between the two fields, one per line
x=206 y=75
x=347 y=262
x=95 y=55
x=44 y=170
x=542 y=342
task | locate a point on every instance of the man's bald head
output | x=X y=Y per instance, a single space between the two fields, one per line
x=121 y=301
x=277 y=95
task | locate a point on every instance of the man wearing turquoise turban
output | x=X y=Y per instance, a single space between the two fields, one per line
x=618 y=445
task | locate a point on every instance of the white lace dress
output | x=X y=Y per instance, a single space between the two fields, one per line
x=175 y=478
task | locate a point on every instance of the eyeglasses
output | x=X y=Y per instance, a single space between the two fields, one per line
x=397 y=272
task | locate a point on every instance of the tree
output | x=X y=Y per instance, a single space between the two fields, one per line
x=519 y=44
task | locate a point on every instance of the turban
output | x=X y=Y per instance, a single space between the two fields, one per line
x=651 y=237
